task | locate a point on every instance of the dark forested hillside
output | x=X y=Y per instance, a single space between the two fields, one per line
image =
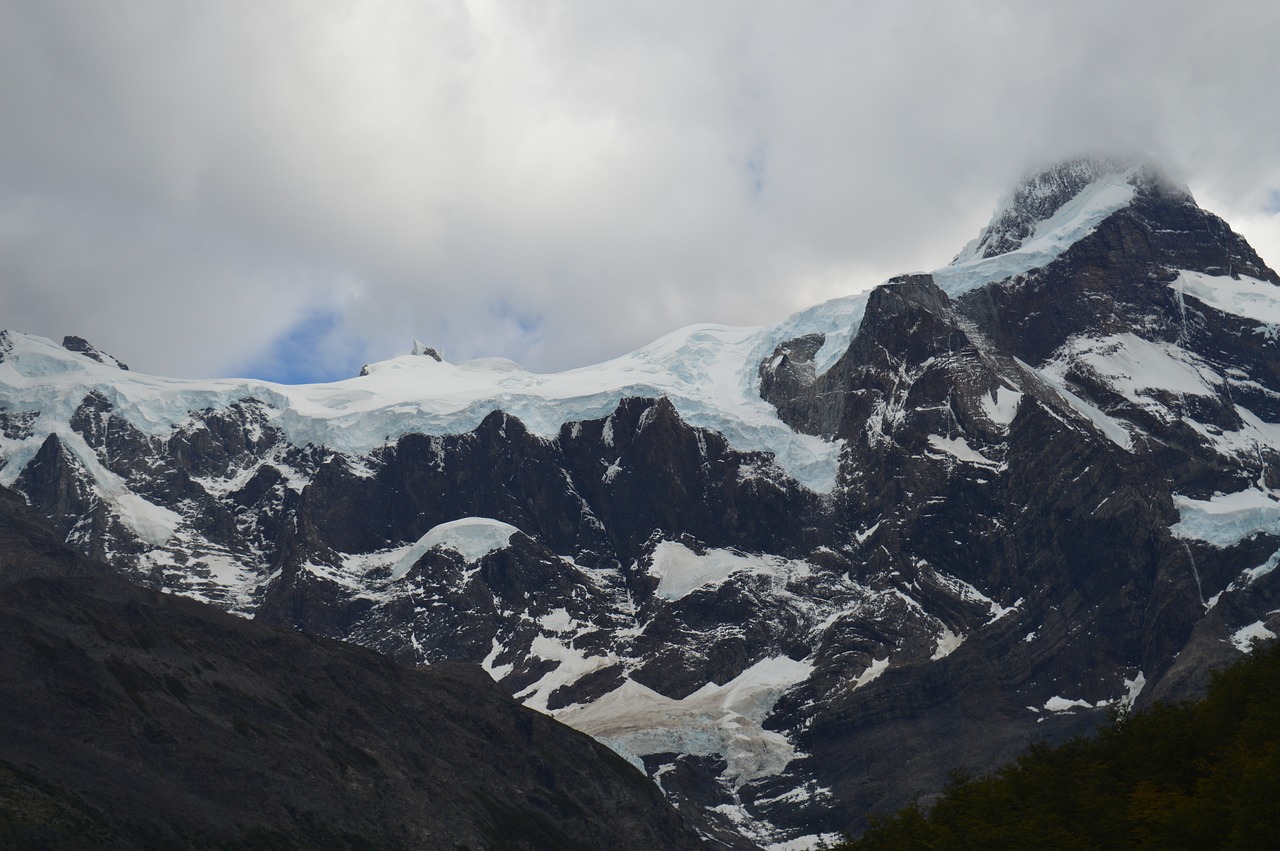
x=1185 y=775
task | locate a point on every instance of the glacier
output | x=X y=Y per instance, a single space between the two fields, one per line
x=708 y=372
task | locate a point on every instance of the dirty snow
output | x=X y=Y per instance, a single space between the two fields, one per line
x=724 y=720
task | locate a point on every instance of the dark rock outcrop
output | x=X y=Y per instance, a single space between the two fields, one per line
x=81 y=346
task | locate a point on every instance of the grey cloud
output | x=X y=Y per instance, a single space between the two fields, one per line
x=559 y=182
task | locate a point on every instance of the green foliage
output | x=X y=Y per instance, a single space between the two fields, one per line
x=1190 y=775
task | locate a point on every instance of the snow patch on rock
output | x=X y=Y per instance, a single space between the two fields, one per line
x=1063 y=704
x=490 y=662
x=471 y=537
x=1246 y=297
x=571 y=665
x=872 y=671
x=1109 y=428
x=1001 y=406
x=813 y=842
x=1136 y=368
x=1244 y=637
x=948 y=642
x=1133 y=688
x=680 y=571
x=959 y=448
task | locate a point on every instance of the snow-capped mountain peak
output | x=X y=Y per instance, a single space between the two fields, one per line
x=1045 y=214
x=1038 y=197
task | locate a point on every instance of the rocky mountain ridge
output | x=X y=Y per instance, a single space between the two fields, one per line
x=795 y=573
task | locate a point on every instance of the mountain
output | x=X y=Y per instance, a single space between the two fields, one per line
x=796 y=573
x=136 y=719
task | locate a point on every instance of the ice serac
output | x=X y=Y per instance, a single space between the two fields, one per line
x=798 y=572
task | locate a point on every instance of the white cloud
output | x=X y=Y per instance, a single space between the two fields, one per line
x=561 y=181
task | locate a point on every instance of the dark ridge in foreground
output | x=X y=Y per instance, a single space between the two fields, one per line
x=136 y=719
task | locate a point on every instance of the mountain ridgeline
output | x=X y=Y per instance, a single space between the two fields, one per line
x=795 y=574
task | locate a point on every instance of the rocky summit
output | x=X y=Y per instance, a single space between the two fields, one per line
x=797 y=574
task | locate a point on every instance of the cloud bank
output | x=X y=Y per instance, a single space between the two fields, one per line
x=288 y=189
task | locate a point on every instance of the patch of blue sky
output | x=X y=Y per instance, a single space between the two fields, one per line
x=527 y=323
x=521 y=328
x=315 y=349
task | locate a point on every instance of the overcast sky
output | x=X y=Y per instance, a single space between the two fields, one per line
x=290 y=189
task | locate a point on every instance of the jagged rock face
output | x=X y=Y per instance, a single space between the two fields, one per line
x=1054 y=494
